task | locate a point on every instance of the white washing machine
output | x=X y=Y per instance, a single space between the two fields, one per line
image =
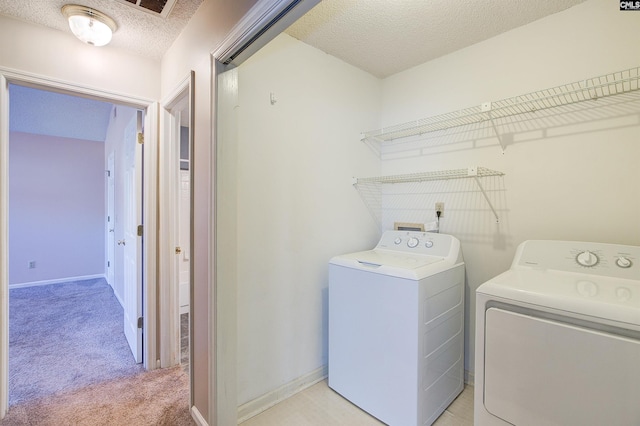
x=558 y=337
x=396 y=326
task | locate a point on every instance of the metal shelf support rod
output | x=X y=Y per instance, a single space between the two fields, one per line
x=486 y=197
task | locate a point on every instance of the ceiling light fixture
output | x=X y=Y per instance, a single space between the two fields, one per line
x=89 y=25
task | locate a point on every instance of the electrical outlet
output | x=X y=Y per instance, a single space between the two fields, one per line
x=32 y=264
x=440 y=208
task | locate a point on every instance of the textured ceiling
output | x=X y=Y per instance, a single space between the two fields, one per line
x=53 y=114
x=384 y=37
x=145 y=33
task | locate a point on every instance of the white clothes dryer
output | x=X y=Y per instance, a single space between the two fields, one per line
x=396 y=326
x=558 y=337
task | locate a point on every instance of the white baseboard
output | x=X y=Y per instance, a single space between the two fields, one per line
x=268 y=400
x=197 y=417
x=56 y=281
x=469 y=377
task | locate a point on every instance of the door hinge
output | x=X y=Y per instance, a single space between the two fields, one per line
x=178 y=250
x=140 y=137
x=108 y=264
x=139 y=230
x=139 y=322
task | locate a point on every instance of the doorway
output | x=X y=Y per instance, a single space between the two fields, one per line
x=147 y=261
x=57 y=219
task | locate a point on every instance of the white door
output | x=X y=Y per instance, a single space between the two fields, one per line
x=132 y=242
x=110 y=218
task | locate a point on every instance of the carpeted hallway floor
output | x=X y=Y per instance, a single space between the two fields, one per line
x=69 y=363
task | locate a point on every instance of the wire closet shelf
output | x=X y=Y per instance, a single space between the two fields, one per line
x=469 y=173
x=617 y=83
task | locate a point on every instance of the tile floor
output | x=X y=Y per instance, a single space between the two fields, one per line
x=319 y=405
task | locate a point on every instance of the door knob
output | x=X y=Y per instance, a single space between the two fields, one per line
x=121 y=242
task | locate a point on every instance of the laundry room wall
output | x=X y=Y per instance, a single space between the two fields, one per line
x=56 y=209
x=563 y=180
x=300 y=115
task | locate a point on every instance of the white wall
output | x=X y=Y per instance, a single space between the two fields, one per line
x=56 y=208
x=573 y=182
x=59 y=55
x=296 y=206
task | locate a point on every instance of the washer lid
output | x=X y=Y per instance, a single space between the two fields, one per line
x=596 y=296
x=394 y=259
x=392 y=263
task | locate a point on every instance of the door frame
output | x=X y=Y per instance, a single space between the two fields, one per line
x=150 y=169
x=109 y=238
x=169 y=149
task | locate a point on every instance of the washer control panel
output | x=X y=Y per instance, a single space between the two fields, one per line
x=417 y=242
x=613 y=260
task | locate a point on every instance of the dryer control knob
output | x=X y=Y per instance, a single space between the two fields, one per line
x=413 y=242
x=623 y=262
x=587 y=258
x=397 y=241
x=428 y=244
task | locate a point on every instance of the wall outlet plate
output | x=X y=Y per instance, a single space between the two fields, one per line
x=440 y=208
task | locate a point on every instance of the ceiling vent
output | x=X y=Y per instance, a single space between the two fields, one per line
x=156 y=7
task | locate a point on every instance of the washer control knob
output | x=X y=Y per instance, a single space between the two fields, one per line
x=623 y=262
x=413 y=242
x=428 y=244
x=397 y=241
x=587 y=258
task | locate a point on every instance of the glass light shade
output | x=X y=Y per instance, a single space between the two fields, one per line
x=89 y=25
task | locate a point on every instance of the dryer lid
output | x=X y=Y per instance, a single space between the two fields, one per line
x=595 y=296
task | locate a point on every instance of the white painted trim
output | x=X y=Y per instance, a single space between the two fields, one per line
x=268 y=400
x=469 y=378
x=150 y=251
x=168 y=296
x=4 y=246
x=223 y=404
x=40 y=81
x=57 y=281
x=150 y=171
x=197 y=417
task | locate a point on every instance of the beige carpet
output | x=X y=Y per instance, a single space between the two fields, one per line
x=159 y=397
